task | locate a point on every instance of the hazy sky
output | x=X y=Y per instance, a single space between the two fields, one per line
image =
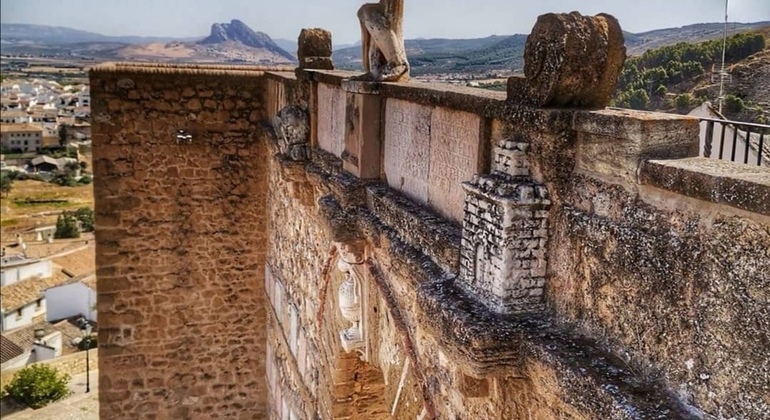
x=424 y=18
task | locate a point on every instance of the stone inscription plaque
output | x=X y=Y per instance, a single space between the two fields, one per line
x=331 y=119
x=407 y=148
x=454 y=158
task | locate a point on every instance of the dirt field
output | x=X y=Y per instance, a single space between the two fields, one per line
x=16 y=214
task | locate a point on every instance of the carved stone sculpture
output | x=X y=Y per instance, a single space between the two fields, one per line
x=292 y=127
x=350 y=300
x=382 y=41
x=570 y=60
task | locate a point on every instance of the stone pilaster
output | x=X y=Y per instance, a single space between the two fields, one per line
x=505 y=234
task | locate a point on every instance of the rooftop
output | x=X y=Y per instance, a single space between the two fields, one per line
x=24 y=338
x=13 y=113
x=14 y=260
x=80 y=262
x=24 y=292
x=20 y=128
x=9 y=349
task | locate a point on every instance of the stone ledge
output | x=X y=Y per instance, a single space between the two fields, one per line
x=618 y=122
x=202 y=69
x=417 y=226
x=281 y=76
x=487 y=345
x=737 y=185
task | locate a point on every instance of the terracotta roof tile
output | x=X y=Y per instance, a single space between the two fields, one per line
x=9 y=349
x=24 y=292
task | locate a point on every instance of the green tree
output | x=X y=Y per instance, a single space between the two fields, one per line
x=66 y=226
x=684 y=102
x=6 y=183
x=38 y=385
x=63 y=135
x=86 y=218
x=734 y=104
x=72 y=167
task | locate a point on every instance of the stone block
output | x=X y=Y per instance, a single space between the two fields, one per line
x=361 y=156
x=315 y=49
x=737 y=185
x=614 y=142
x=407 y=148
x=455 y=141
x=331 y=119
x=570 y=60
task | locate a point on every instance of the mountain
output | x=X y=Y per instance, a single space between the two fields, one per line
x=680 y=77
x=238 y=32
x=287 y=45
x=41 y=34
x=232 y=42
x=505 y=53
x=235 y=42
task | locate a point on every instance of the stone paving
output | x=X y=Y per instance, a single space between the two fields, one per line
x=78 y=406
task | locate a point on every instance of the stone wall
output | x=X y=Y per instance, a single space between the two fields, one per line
x=575 y=186
x=181 y=234
x=72 y=364
x=376 y=277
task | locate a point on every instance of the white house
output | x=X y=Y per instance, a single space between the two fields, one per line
x=33 y=344
x=17 y=316
x=24 y=301
x=15 y=268
x=76 y=297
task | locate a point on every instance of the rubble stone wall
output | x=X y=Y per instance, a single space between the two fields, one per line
x=181 y=233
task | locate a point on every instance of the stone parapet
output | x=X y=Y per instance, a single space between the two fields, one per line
x=737 y=185
x=613 y=143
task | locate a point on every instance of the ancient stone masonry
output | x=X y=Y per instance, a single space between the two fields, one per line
x=292 y=128
x=314 y=247
x=351 y=299
x=570 y=60
x=180 y=230
x=505 y=234
x=315 y=49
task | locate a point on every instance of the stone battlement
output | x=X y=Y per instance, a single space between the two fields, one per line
x=324 y=248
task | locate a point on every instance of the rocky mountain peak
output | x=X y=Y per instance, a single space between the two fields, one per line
x=237 y=31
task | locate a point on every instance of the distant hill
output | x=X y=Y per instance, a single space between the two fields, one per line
x=680 y=77
x=232 y=42
x=505 y=53
x=41 y=34
x=235 y=42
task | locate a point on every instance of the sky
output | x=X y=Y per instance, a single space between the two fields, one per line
x=423 y=18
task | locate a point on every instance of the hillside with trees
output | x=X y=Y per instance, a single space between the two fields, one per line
x=678 y=77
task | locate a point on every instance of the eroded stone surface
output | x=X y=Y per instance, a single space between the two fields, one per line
x=407 y=148
x=315 y=49
x=455 y=139
x=382 y=41
x=570 y=60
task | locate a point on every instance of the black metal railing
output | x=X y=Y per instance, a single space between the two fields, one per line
x=754 y=139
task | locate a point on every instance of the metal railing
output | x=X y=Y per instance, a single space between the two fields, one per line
x=737 y=141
